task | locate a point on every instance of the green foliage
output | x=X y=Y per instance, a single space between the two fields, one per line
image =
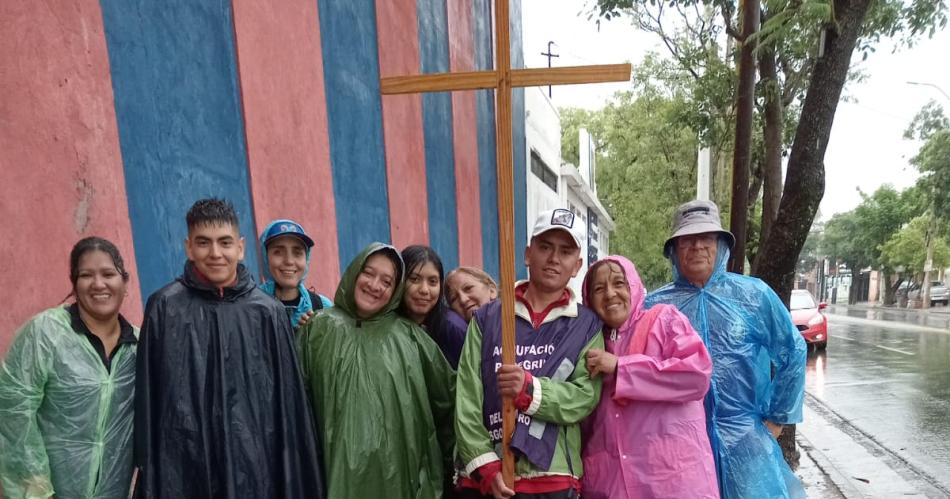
x=907 y=248
x=700 y=75
x=857 y=237
x=933 y=161
x=809 y=255
x=838 y=242
x=926 y=122
x=572 y=120
x=646 y=166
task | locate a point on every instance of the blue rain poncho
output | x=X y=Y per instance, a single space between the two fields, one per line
x=746 y=329
x=65 y=421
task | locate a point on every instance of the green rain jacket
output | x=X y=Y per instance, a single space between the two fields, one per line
x=65 y=421
x=383 y=395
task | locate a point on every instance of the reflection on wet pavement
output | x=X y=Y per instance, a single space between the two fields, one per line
x=892 y=383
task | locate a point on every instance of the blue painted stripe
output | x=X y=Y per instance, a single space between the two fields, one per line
x=519 y=144
x=355 y=123
x=485 y=109
x=437 y=126
x=181 y=128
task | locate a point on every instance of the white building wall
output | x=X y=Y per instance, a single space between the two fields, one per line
x=543 y=135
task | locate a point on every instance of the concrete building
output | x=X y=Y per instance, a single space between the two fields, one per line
x=119 y=114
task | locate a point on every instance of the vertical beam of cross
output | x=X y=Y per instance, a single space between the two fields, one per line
x=502 y=79
x=506 y=221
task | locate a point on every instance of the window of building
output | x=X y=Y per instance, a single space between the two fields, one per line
x=541 y=170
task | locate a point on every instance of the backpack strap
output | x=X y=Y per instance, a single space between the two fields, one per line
x=315 y=301
x=641 y=331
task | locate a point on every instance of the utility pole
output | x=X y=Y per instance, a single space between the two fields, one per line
x=929 y=262
x=549 y=54
x=745 y=107
x=702 y=175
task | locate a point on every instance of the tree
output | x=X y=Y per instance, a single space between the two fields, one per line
x=933 y=162
x=928 y=120
x=646 y=166
x=856 y=237
x=845 y=25
x=793 y=30
x=906 y=247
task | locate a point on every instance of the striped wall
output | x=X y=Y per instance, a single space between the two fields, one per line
x=61 y=175
x=116 y=115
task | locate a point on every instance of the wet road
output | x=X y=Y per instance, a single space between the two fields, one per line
x=888 y=383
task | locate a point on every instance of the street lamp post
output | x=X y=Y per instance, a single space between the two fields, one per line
x=931 y=85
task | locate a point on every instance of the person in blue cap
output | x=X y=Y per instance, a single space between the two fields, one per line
x=286 y=247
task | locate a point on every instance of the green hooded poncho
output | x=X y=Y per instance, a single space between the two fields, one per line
x=65 y=421
x=383 y=395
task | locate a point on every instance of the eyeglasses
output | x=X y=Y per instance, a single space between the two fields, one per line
x=703 y=240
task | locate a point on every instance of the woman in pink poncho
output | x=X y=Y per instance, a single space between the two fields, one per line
x=647 y=437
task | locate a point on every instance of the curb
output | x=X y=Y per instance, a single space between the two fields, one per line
x=842 y=482
x=916 y=317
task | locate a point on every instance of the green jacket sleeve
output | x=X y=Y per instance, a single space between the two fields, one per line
x=303 y=355
x=474 y=445
x=570 y=401
x=440 y=382
x=24 y=466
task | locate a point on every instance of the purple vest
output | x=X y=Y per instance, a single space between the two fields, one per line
x=549 y=352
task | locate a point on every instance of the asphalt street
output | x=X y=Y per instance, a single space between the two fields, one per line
x=885 y=385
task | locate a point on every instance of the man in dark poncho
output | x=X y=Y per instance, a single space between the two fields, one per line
x=220 y=410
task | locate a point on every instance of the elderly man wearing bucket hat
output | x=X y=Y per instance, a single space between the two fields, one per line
x=748 y=331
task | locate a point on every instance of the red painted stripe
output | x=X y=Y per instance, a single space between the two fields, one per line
x=61 y=175
x=398 y=44
x=465 y=140
x=281 y=75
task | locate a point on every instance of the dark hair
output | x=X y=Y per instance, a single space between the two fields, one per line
x=93 y=243
x=414 y=257
x=592 y=272
x=211 y=211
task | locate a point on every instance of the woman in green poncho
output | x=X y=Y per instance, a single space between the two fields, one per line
x=66 y=389
x=381 y=390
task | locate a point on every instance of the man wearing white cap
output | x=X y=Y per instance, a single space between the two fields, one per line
x=549 y=382
x=748 y=332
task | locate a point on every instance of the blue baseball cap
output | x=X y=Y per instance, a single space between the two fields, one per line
x=279 y=228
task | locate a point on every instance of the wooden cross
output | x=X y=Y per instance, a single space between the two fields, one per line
x=502 y=79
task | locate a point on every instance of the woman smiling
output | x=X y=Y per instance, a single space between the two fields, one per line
x=66 y=388
x=647 y=436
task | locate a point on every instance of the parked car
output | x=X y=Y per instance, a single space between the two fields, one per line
x=938 y=293
x=807 y=316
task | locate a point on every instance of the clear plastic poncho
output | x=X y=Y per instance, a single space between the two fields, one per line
x=747 y=329
x=65 y=421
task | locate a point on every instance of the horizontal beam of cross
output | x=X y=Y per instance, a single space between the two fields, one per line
x=479 y=80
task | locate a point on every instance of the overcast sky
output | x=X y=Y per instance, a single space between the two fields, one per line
x=866 y=149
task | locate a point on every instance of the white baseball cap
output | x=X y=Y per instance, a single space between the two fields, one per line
x=560 y=219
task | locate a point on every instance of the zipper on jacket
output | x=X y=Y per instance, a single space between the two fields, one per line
x=107 y=387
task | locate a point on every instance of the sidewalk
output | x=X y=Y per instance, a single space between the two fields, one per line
x=845 y=457
x=851 y=465
x=937 y=317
